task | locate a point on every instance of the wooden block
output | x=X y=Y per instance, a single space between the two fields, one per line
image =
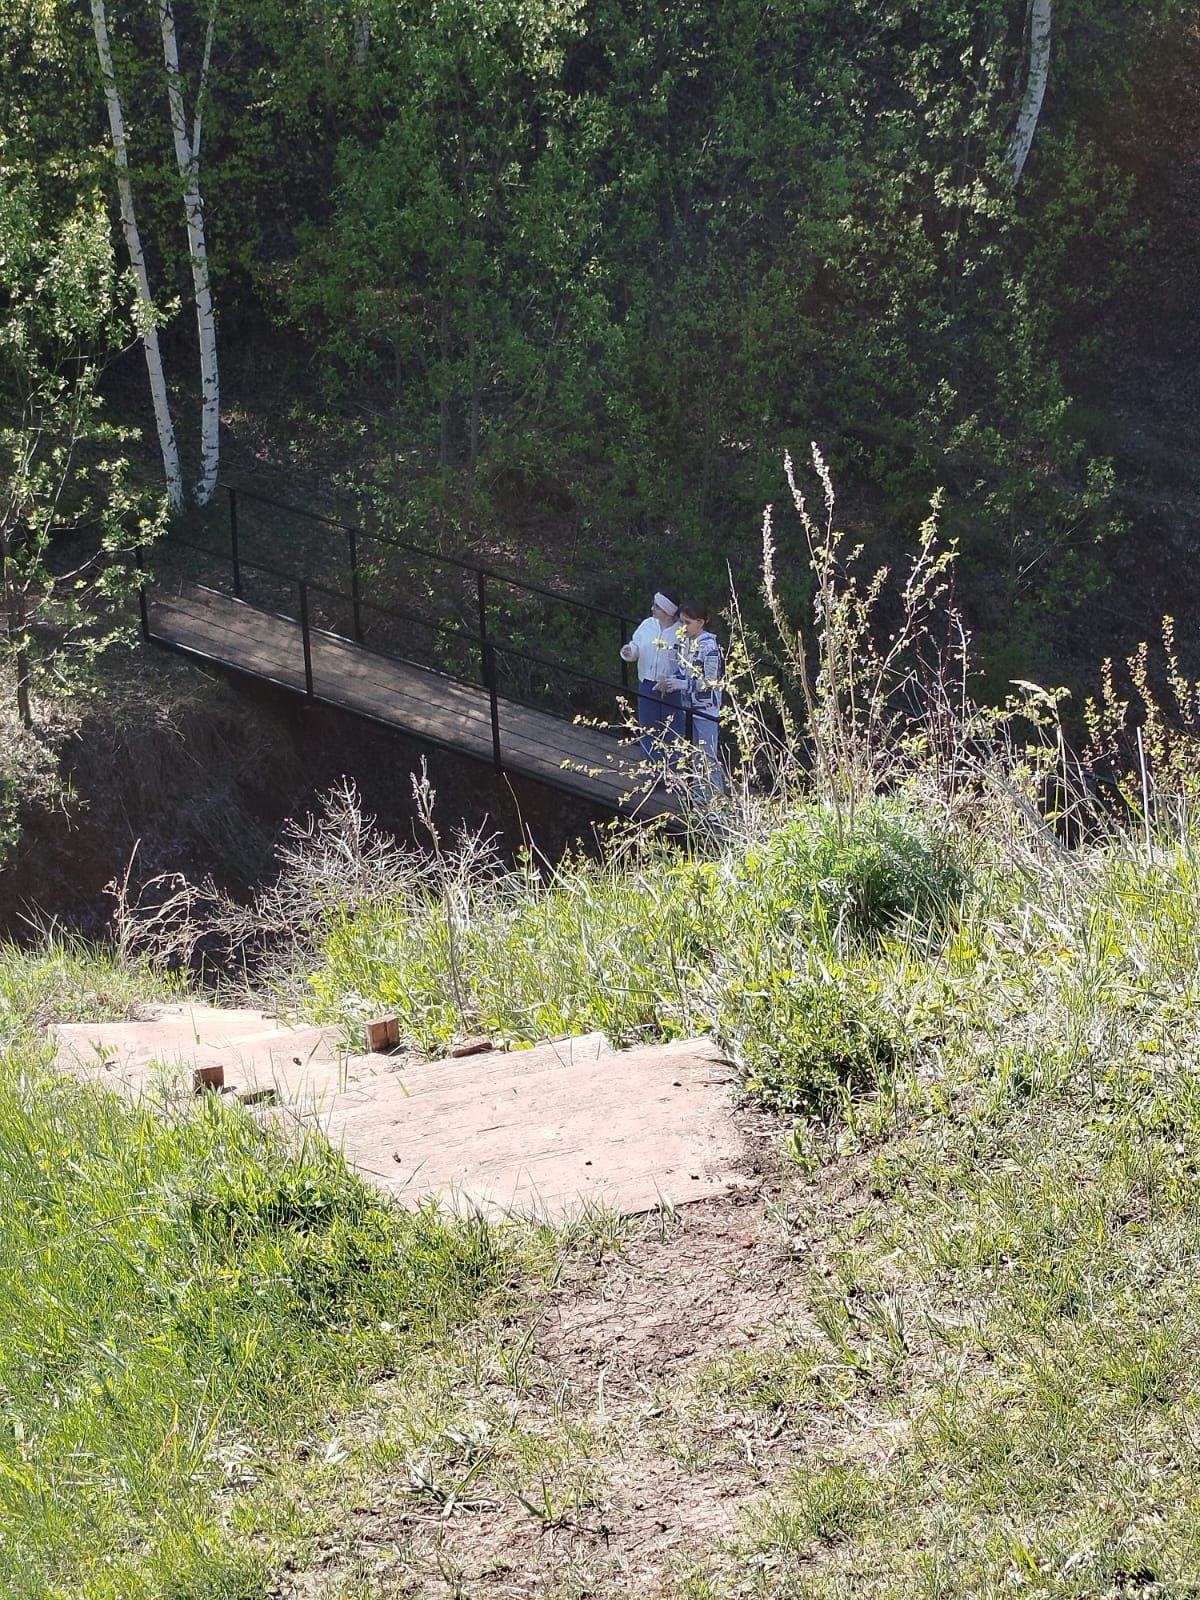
x=208 y=1078
x=263 y=1096
x=383 y=1033
x=471 y=1047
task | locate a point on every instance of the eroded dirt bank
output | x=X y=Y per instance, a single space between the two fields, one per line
x=197 y=773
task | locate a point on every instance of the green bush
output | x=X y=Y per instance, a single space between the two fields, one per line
x=886 y=868
x=808 y=1042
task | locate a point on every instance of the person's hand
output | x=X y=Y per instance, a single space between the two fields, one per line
x=628 y=653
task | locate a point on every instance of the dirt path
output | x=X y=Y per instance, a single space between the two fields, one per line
x=620 y=1420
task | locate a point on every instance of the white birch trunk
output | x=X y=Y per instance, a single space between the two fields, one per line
x=187 y=159
x=137 y=259
x=1035 y=87
x=362 y=38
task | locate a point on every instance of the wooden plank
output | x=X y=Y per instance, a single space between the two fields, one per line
x=384 y=672
x=425 y=701
x=548 y=1130
x=568 y=1127
x=420 y=698
x=349 y=664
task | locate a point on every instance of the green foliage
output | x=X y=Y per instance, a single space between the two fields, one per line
x=599 y=264
x=65 y=979
x=809 y=1042
x=982 y=1292
x=817 y=1507
x=764 y=943
x=1000 y=1265
x=888 y=867
x=509 y=957
x=70 y=516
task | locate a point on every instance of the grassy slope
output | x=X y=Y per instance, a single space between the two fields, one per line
x=950 y=1350
x=979 y=1377
x=182 y=1302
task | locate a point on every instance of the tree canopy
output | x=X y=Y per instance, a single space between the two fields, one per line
x=600 y=262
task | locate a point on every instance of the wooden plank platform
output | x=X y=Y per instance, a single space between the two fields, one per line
x=585 y=761
x=545 y=1131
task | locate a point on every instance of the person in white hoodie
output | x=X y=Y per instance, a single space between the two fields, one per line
x=655 y=648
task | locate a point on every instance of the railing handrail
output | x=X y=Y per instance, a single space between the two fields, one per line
x=501 y=646
x=561 y=666
x=321 y=588
x=487 y=646
x=422 y=550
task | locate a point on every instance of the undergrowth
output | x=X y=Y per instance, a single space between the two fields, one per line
x=1004 y=1327
x=768 y=944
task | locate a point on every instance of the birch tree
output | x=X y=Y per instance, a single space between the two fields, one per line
x=148 y=319
x=187 y=159
x=1035 y=86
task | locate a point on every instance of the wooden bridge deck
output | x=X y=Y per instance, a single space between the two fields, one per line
x=583 y=761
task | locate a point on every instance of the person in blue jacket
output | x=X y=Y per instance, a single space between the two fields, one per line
x=702 y=671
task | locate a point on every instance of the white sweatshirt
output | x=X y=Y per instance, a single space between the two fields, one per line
x=657 y=653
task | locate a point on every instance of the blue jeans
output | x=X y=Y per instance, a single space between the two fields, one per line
x=660 y=722
x=706 y=731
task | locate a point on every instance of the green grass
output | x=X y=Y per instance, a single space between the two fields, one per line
x=181 y=1300
x=978 y=1378
x=1009 y=1313
x=769 y=943
x=64 y=979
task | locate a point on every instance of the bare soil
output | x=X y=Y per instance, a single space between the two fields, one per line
x=620 y=1351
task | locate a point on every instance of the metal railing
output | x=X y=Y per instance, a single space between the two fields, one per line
x=481 y=646
x=485 y=579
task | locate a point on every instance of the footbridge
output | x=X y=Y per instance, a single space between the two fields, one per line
x=449 y=651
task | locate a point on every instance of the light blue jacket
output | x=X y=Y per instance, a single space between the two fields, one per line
x=703 y=669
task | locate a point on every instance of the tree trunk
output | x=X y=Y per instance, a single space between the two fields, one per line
x=443 y=402
x=187 y=159
x=14 y=627
x=24 y=704
x=362 y=36
x=1035 y=86
x=133 y=243
x=473 y=425
x=17 y=621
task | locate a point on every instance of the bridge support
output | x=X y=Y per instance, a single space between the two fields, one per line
x=307 y=638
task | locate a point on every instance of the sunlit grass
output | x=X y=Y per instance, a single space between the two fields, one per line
x=774 y=942
x=1011 y=1304
x=180 y=1298
x=984 y=1383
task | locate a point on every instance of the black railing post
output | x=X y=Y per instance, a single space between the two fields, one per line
x=143 y=607
x=481 y=593
x=354 y=595
x=689 y=725
x=233 y=545
x=304 y=633
x=489 y=678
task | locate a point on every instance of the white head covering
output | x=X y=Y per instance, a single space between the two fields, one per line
x=665 y=604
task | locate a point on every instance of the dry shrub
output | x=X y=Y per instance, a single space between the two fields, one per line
x=332 y=858
x=881 y=700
